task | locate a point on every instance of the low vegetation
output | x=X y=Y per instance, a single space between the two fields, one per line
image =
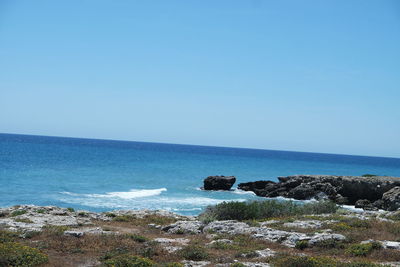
x=16 y=254
x=257 y=210
x=308 y=261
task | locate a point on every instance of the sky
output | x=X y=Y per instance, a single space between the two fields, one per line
x=311 y=75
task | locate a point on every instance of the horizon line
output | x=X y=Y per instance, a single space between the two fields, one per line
x=166 y=143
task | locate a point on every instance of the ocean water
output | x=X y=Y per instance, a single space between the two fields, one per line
x=102 y=175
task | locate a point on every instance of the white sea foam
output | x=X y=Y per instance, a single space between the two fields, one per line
x=133 y=193
x=242 y=192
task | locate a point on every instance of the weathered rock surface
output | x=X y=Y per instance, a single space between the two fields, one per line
x=219 y=182
x=341 y=189
x=30 y=218
x=184 y=227
x=391 y=199
x=232 y=227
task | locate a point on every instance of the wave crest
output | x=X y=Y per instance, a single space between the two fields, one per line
x=131 y=194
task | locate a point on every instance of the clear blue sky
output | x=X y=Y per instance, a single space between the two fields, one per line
x=321 y=76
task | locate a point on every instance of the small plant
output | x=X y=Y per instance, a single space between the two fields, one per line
x=16 y=254
x=221 y=245
x=147 y=251
x=237 y=264
x=17 y=212
x=82 y=214
x=369 y=175
x=194 y=253
x=40 y=211
x=114 y=253
x=330 y=243
x=302 y=244
x=138 y=238
x=129 y=261
x=71 y=209
x=111 y=215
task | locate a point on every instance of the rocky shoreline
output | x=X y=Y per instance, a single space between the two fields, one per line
x=168 y=234
x=369 y=192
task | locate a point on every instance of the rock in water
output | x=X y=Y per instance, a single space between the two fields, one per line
x=219 y=182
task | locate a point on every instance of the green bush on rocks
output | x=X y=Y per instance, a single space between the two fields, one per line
x=255 y=210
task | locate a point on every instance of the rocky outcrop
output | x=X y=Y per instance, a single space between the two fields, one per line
x=219 y=182
x=341 y=189
x=391 y=199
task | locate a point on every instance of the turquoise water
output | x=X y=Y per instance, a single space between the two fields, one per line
x=101 y=175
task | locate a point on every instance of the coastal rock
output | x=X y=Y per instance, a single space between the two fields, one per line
x=341 y=189
x=265 y=253
x=184 y=227
x=286 y=238
x=391 y=199
x=304 y=224
x=219 y=182
x=320 y=237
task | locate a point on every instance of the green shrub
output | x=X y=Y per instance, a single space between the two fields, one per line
x=7 y=236
x=237 y=264
x=16 y=254
x=255 y=210
x=369 y=175
x=307 y=261
x=71 y=209
x=17 y=212
x=40 y=211
x=360 y=249
x=147 y=251
x=302 y=244
x=303 y=261
x=194 y=253
x=221 y=245
x=114 y=253
x=129 y=261
x=331 y=243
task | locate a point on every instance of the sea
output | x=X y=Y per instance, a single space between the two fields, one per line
x=104 y=175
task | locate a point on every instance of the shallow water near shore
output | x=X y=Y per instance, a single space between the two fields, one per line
x=102 y=175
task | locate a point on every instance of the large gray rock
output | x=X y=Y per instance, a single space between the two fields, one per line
x=391 y=199
x=219 y=182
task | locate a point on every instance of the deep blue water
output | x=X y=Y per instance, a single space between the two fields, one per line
x=102 y=175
